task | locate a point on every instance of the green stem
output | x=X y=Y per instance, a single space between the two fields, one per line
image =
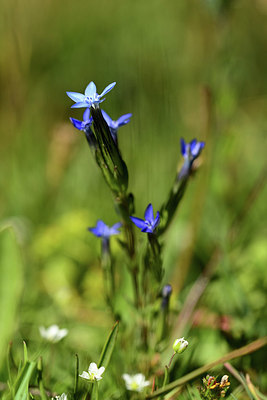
x=125 y=208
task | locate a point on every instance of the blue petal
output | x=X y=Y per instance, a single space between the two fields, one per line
x=157 y=220
x=139 y=222
x=114 y=229
x=99 y=229
x=166 y=291
x=149 y=213
x=183 y=147
x=147 y=229
x=76 y=123
x=196 y=150
x=124 y=119
x=117 y=225
x=90 y=89
x=75 y=96
x=86 y=115
x=108 y=89
x=193 y=143
x=80 y=104
x=107 y=118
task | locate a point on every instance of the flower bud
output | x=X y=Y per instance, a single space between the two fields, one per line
x=180 y=345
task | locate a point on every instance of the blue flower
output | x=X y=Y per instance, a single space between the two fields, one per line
x=90 y=98
x=115 y=125
x=166 y=294
x=191 y=150
x=85 y=124
x=104 y=231
x=166 y=291
x=150 y=223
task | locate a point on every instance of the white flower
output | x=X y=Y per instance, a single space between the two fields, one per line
x=53 y=334
x=180 y=345
x=94 y=373
x=136 y=382
x=62 y=397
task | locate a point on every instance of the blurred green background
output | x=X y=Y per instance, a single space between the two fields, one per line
x=184 y=69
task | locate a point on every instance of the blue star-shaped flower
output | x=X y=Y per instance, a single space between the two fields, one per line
x=150 y=223
x=85 y=124
x=191 y=150
x=115 y=125
x=90 y=98
x=104 y=231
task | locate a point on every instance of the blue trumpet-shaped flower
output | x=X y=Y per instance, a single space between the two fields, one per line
x=191 y=150
x=115 y=125
x=85 y=124
x=149 y=223
x=104 y=231
x=90 y=98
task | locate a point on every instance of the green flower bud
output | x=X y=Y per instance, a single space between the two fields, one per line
x=180 y=345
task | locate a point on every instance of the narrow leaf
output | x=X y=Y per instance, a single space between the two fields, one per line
x=25 y=353
x=108 y=347
x=22 y=383
x=76 y=377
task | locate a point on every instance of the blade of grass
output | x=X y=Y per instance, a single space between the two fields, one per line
x=109 y=347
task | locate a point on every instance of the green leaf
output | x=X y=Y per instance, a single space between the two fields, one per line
x=22 y=383
x=108 y=347
x=11 y=272
x=25 y=352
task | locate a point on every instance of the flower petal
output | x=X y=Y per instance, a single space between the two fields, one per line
x=139 y=222
x=108 y=89
x=76 y=123
x=75 y=96
x=149 y=213
x=92 y=368
x=80 y=104
x=101 y=370
x=183 y=147
x=90 y=89
x=85 y=375
x=147 y=229
x=124 y=119
x=86 y=115
x=157 y=219
x=107 y=118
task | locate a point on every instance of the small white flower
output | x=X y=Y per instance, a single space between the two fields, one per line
x=53 y=334
x=180 y=345
x=94 y=373
x=62 y=397
x=136 y=383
